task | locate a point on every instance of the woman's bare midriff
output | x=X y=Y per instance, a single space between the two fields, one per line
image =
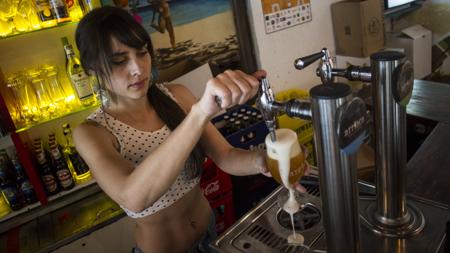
x=176 y=228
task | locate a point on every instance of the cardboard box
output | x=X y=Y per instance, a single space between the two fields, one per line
x=416 y=43
x=358 y=27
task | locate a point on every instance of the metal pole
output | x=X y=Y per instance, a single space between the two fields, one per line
x=337 y=169
x=390 y=141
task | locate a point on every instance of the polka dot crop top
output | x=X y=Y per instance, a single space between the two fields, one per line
x=135 y=145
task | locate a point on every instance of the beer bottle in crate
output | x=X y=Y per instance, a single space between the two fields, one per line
x=245 y=122
x=45 y=169
x=63 y=174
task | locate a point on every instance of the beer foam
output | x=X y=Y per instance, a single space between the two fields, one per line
x=285 y=140
x=291 y=206
x=283 y=149
x=296 y=239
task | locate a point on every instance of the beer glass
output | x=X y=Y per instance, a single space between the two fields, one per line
x=285 y=160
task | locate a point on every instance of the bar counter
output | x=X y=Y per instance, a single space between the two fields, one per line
x=428 y=171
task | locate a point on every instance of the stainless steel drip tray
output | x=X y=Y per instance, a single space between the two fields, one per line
x=266 y=227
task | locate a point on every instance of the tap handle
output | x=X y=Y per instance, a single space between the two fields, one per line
x=304 y=62
x=265 y=105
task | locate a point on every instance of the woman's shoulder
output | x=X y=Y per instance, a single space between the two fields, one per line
x=92 y=133
x=89 y=127
x=182 y=94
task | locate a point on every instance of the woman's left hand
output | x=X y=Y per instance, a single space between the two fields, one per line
x=261 y=166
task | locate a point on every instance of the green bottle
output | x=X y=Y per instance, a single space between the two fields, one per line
x=81 y=82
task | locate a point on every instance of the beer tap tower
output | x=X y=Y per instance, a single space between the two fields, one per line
x=391 y=224
x=339 y=121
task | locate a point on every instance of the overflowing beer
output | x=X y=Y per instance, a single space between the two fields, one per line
x=286 y=163
x=285 y=159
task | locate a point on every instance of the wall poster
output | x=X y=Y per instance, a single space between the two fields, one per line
x=282 y=14
x=187 y=33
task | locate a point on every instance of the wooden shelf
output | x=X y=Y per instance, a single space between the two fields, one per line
x=18 y=34
x=80 y=109
x=57 y=201
x=74 y=189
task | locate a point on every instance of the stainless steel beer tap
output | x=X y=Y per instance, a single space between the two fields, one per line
x=327 y=72
x=339 y=121
x=324 y=70
x=270 y=108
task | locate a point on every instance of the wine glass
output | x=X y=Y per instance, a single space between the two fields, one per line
x=286 y=163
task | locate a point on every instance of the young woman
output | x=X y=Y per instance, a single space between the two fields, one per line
x=146 y=146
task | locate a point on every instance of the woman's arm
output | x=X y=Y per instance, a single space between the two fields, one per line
x=138 y=188
x=232 y=160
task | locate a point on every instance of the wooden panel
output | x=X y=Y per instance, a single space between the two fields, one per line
x=430 y=100
x=428 y=172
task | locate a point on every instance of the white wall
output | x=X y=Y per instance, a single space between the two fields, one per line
x=277 y=51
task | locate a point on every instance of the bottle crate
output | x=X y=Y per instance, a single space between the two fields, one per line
x=223 y=209
x=247 y=190
x=214 y=182
x=250 y=136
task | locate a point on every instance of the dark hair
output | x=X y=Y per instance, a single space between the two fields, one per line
x=93 y=38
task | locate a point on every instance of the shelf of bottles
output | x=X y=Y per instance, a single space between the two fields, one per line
x=24 y=16
x=47 y=169
x=7 y=213
x=60 y=168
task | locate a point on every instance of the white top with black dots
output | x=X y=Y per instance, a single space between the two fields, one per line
x=135 y=145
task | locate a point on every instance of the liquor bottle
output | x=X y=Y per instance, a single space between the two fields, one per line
x=62 y=171
x=81 y=82
x=24 y=185
x=75 y=9
x=74 y=160
x=8 y=185
x=89 y=5
x=45 y=13
x=59 y=10
x=4 y=207
x=45 y=168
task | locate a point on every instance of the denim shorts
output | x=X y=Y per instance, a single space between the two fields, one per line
x=203 y=245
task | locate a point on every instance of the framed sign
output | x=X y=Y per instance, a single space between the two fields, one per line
x=189 y=33
x=282 y=14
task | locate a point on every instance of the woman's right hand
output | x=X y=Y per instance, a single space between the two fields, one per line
x=228 y=89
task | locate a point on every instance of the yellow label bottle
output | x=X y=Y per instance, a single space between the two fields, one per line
x=4 y=207
x=45 y=13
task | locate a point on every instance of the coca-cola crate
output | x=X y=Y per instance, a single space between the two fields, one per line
x=224 y=212
x=250 y=135
x=214 y=182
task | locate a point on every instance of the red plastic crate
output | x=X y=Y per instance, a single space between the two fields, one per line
x=224 y=212
x=214 y=182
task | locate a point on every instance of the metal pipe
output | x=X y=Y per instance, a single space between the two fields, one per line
x=337 y=168
x=390 y=140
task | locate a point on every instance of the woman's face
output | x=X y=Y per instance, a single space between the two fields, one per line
x=130 y=73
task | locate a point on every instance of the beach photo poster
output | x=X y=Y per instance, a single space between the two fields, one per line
x=186 y=33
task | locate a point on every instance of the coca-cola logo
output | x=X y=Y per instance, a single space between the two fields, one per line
x=211 y=188
x=260 y=146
